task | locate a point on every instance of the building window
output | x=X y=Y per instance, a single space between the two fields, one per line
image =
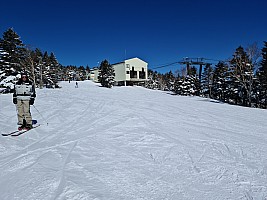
x=133 y=74
x=142 y=74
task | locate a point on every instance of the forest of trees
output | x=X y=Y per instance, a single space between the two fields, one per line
x=42 y=67
x=241 y=80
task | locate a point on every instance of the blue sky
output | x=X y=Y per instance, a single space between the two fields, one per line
x=159 y=32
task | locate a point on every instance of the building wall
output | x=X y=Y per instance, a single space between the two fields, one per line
x=121 y=72
x=136 y=64
x=94 y=74
x=130 y=70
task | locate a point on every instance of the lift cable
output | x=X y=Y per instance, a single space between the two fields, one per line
x=189 y=61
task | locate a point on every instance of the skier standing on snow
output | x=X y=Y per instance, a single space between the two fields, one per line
x=23 y=97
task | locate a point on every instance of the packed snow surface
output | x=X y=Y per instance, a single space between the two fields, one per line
x=132 y=143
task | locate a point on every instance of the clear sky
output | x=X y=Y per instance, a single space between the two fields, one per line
x=85 y=32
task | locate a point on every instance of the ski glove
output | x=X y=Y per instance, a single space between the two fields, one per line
x=31 y=101
x=15 y=100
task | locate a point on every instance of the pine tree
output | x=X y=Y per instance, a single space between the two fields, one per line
x=15 y=57
x=82 y=73
x=242 y=77
x=169 y=81
x=54 y=68
x=38 y=59
x=206 y=81
x=106 y=74
x=12 y=49
x=178 y=86
x=194 y=82
x=219 y=82
x=152 y=82
x=262 y=75
x=46 y=64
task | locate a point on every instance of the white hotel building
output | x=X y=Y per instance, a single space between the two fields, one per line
x=129 y=72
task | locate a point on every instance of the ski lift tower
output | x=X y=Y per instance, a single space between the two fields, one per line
x=194 y=61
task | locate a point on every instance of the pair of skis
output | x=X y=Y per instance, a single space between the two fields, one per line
x=19 y=132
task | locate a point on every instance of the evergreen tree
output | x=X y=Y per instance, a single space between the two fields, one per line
x=152 y=82
x=53 y=69
x=219 y=82
x=206 y=81
x=187 y=86
x=262 y=75
x=169 y=77
x=242 y=77
x=106 y=74
x=194 y=82
x=12 y=49
x=38 y=59
x=15 y=57
x=178 y=86
x=45 y=71
x=161 y=82
x=82 y=73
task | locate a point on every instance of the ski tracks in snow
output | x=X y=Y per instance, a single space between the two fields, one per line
x=103 y=146
x=61 y=182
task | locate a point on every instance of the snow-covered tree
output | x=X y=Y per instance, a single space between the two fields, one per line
x=178 y=86
x=53 y=68
x=187 y=86
x=219 y=82
x=11 y=55
x=262 y=77
x=206 y=81
x=241 y=71
x=169 y=80
x=152 y=82
x=106 y=74
x=12 y=49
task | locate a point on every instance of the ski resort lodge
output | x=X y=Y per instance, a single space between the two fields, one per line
x=129 y=72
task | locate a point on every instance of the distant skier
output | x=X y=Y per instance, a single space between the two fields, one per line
x=76 y=85
x=24 y=96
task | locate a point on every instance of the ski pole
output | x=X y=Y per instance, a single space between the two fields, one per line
x=40 y=114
